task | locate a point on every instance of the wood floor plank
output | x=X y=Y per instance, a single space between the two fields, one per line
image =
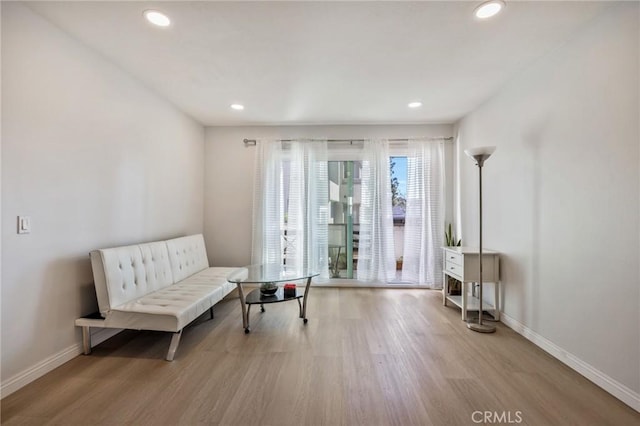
x=366 y=357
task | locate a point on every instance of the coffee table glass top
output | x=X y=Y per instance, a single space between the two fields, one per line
x=270 y=272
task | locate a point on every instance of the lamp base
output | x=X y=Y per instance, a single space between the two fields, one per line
x=485 y=317
x=481 y=328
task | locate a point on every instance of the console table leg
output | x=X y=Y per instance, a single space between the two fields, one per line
x=445 y=290
x=496 y=301
x=463 y=293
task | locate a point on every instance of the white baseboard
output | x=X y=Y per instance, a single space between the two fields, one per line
x=615 y=388
x=27 y=376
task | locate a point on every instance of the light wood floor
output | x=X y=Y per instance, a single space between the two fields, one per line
x=366 y=357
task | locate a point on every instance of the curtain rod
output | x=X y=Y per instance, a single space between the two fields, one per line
x=252 y=142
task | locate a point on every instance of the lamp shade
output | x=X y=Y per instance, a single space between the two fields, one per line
x=480 y=153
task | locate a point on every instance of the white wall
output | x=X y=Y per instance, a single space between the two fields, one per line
x=96 y=160
x=561 y=195
x=229 y=177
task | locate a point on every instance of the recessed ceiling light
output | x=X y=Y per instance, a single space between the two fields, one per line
x=157 y=18
x=488 y=9
x=415 y=104
x=237 y=107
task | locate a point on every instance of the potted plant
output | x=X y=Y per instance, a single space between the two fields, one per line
x=455 y=286
x=450 y=238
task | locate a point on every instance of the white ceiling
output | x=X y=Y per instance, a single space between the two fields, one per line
x=322 y=62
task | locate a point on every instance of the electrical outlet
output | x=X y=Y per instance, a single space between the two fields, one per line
x=24 y=224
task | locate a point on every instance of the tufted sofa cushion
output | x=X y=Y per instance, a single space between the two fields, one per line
x=212 y=276
x=126 y=273
x=175 y=306
x=187 y=256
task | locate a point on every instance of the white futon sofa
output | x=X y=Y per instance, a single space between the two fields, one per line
x=163 y=286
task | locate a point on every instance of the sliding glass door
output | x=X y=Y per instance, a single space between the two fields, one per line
x=344 y=199
x=343 y=211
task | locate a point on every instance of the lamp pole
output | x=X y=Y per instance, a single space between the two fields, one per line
x=480 y=155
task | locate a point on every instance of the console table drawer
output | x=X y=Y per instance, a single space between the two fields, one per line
x=453 y=258
x=454 y=269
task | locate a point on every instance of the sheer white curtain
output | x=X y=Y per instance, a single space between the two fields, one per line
x=424 y=217
x=268 y=204
x=376 y=259
x=290 y=209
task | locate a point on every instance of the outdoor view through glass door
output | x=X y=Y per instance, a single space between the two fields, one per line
x=344 y=199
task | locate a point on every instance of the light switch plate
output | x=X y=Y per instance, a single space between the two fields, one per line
x=24 y=224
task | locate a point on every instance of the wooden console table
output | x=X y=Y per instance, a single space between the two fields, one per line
x=462 y=264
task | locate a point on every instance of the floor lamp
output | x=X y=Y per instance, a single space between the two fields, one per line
x=480 y=155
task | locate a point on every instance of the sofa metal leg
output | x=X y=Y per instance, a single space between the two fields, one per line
x=175 y=341
x=211 y=312
x=86 y=339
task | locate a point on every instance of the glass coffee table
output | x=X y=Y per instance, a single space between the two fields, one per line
x=270 y=273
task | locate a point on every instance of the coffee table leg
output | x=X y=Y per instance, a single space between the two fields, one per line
x=247 y=328
x=245 y=314
x=304 y=302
